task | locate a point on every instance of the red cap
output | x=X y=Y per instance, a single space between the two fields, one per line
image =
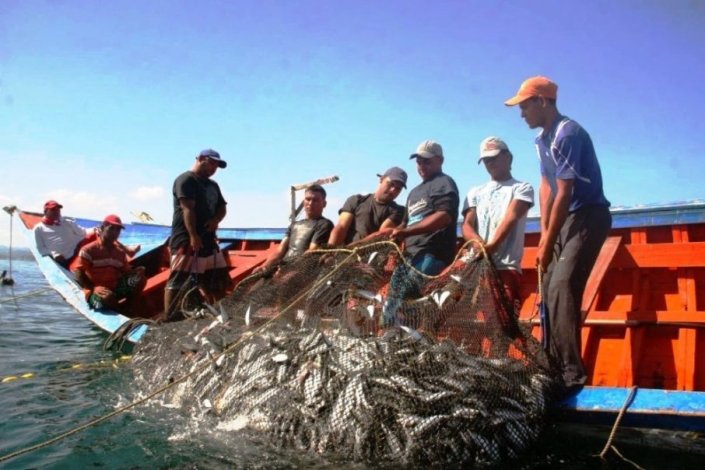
x=534 y=86
x=51 y=204
x=113 y=219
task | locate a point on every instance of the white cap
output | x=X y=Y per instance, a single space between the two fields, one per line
x=428 y=149
x=491 y=147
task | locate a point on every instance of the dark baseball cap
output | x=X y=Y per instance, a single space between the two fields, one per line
x=395 y=174
x=213 y=155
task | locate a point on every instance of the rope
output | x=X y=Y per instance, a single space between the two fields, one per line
x=458 y=255
x=161 y=389
x=98 y=420
x=622 y=411
x=102 y=364
x=614 y=449
x=10 y=247
x=40 y=291
x=120 y=335
x=539 y=293
x=211 y=360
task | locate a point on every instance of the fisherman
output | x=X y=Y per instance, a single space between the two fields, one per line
x=61 y=238
x=103 y=270
x=495 y=215
x=363 y=217
x=575 y=219
x=199 y=207
x=309 y=233
x=429 y=233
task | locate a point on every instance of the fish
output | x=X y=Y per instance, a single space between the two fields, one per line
x=404 y=399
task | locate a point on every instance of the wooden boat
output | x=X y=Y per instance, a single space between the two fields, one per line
x=644 y=318
x=644 y=308
x=246 y=249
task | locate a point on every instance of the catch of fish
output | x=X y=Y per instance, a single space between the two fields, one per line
x=401 y=397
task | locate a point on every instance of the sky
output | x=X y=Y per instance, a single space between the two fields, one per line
x=103 y=104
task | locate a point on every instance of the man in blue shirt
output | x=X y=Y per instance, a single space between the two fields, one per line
x=575 y=219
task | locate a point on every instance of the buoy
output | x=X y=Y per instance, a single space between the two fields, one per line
x=6 y=280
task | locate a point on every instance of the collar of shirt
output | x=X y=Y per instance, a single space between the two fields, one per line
x=47 y=221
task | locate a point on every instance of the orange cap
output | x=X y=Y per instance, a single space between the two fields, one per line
x=534 y=86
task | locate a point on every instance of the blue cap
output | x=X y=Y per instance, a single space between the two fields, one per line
x=213 y=155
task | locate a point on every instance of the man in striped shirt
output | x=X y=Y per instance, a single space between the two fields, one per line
x=104 y=272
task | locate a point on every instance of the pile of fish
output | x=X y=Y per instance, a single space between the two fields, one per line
x=400 y=398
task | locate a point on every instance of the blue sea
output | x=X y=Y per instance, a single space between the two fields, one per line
x=73 y=381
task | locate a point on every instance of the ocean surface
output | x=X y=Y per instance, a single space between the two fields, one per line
x=73 y=381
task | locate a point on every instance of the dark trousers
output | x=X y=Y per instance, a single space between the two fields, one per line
x=407 y=282
x=574 y=255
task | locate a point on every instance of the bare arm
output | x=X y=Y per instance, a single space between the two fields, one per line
x=337 y=236
x=83 y=279
x=555 y=218
x=387 y=226
x=433 y=222
x=468 y=228
x=275 y=257
x=516 y=210
x=212 y=224
x=313 y=246
x=545 y=203
x=188 y=207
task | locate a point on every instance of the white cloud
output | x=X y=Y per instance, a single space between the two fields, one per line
x=147 y=193
x=266 y=209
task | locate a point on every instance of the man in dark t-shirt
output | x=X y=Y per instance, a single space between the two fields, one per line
x=430 y=232
x=306 y=234
x=366 y=216
x=199 y=207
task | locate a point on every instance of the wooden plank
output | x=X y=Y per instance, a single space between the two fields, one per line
x=685 y=360
x=662 y=255
x=679 y=233
x=638 y=235
x=645 y=317
x=156 y=282
x=656 y=255
x=633 y=340
x=604 y=259
x=587 y=336
x=653 y=408
x=239 y=272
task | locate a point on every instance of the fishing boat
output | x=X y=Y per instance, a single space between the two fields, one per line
x=643 y=336
x=643 y=318
x=245 y=248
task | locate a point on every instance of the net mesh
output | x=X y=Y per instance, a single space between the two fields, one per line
x=354 y=353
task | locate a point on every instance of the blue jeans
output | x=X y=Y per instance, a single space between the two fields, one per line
x=406 y=282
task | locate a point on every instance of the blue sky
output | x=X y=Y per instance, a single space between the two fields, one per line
x=103 y=104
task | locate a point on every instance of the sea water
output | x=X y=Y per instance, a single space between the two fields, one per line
x=74 y=381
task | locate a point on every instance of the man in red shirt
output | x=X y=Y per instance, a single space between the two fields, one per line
x=104 y=272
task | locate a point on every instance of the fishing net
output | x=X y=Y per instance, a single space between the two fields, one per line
x=323 y=355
